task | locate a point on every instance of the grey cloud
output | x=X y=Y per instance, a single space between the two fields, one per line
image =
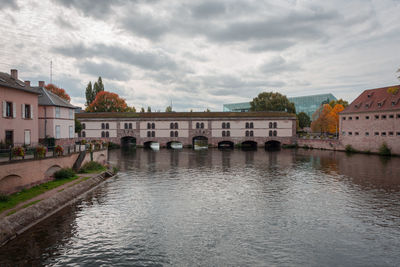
x=278 y=65
x=8 y=4
x=95 y=8
x=145 y=25
x=272 y=45
x=64 y=24
x=105 y=70
x=208 y=9
x=144 y=60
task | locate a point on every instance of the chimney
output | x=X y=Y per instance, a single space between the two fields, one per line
x=14 y=74
x=41 y=83
x=28 y=83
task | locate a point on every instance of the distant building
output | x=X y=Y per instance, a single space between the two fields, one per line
x=19 y=120
x=372 y=119
x=307 y=104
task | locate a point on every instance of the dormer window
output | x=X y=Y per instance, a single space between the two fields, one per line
x=367 y=105
x=369 y=95
x=379 y=104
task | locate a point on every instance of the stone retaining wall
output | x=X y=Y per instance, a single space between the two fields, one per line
x=328 y=144
x=22 y=220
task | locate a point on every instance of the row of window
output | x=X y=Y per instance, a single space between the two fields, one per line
x=151 y=134
x=375 y=133
x=173 y=134
x=128 y=126
x=105 y=134
x=105 y=126
x=226 y=133
x=201 y=125
x=383 y=117
x=173 y=125
x=151 y=125
x=9 y=110
x=58 y=132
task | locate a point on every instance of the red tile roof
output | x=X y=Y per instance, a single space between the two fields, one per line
x=379 y=99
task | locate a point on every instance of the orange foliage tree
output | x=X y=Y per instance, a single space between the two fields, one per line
x=58 y=91
x=326 y=119
x=107 y=102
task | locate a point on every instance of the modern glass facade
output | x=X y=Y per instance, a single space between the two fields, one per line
x=307 y=104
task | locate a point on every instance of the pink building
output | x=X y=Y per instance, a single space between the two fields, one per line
x=19 y=121
x=372 y=119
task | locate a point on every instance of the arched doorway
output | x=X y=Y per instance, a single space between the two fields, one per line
x=249 y=145
x=226 y=145
x=152 y=145
x=128 y=141
x=272 y=145
x=200 y=142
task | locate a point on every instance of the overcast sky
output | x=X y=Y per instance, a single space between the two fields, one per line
x=202 y=54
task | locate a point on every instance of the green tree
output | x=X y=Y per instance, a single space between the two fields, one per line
x=207 y=110
x=342 y=102
x=131 y=109
x=142 y=110
x=304 y=120
x=78 y=126
x=90 y=96
x=168 y=109
x=148 y=109
x=270 y=101
x=98 y=86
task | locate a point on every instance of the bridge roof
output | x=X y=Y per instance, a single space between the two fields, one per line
x=167 y=115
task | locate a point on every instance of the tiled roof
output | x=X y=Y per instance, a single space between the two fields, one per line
x=379 y=99
x=47 y=98
x=7 y=81
x=200 y=115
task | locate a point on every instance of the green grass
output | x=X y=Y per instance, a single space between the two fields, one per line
x=92 y=167
x=27 y=194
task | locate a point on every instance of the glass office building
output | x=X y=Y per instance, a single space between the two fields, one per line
x=307 y=104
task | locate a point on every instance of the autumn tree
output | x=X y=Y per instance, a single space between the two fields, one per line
x=304 y=120
x=58 y=91
x=168 y=109
x=270 y=101
x=334 y=127
x=326 y=119
x=107 y=102
x=342 y=102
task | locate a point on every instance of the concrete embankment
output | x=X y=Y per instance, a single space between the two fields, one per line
x=15 y=224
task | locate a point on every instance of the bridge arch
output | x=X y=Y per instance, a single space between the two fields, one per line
x=249 y=145
x=272 y=145
x=200 y=142
x=50 y=171
x=9 y=183
x=226 y=145
x=174 y=145
x=128 y=141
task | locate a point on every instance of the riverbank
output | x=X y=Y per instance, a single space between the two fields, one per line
x=45 y=205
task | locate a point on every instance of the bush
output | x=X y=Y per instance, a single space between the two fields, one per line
x=350 y=149
x=92 y=166
x=384 y=150
x=64 y=174
x=115 y=169
x=4 y=198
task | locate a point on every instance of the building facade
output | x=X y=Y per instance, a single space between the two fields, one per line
x=372 y=119
x=19 y=120
x=185 y=127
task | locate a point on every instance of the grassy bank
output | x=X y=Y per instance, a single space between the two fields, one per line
x=26 y=194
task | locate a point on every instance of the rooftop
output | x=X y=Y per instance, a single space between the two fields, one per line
x=380 y=99
x=47 y=98
x=12 y=81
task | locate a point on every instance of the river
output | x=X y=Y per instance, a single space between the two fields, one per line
x=227 y=208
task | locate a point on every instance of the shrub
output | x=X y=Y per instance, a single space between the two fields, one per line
x=64 y=174
x=384 y=150
x=92 y=166
x=4 y=198
x=115 y=169
x=350 y=149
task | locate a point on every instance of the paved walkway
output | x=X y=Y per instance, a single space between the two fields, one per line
x=47 y=194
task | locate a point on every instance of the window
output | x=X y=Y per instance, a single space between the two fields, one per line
x=130 y=125
x=27 y=137
x=270 y=125
x=9 y=137
x=125 y=126
x=383 y=133
x=376 y=117
x=153 y=125
x=71 y=113
x=247 y=126
x=148 y=126
x=103 y=126
x=356 y=133
x=251 y=125
x=343 y=133
x=107 y=134
x=223 y=133
x=350 y=118
x=148 y=134
x=171 y=125
x=367 y=117
x=350 y=133
x=344 y=118
x=275 y=133
x=57 y=112
x=176 y=125
x=228 y=133
x=390 y=133
x=176 y=133
x=103 y=134
x=398 y=116
x=270 y=133
x=153 y=133
x=366 y=133
x=379 y=104
x=171 y=133
x=376 y=133
x=398 y=133
x=247 y=133
x=228 y=125
x=275 y=125
x=107 y=126
x=26 y=111
x=71 y=132
x=83 y=134
x=391 y=116
x=357 y=118
x=8 y=112
x=223 y=125
x=251 y=133
x=197 y=125
x=58 y=132
x=383 y=117
x=202 y=125
x=83 y=125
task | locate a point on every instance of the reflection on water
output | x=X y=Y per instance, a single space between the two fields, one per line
x=227 y=207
